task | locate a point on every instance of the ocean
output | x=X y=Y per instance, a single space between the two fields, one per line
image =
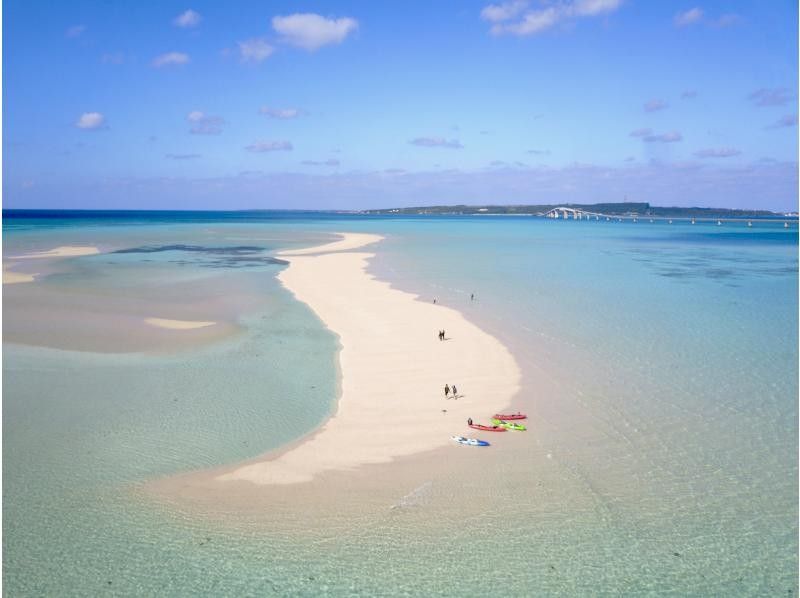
x=661 y=456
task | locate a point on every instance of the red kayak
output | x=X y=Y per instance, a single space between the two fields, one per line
x=487 y=428
x=516 y=415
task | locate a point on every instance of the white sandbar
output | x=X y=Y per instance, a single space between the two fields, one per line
x=393 y=369
x=10 y=277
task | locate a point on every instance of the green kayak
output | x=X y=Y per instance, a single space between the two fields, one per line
x=509 y=425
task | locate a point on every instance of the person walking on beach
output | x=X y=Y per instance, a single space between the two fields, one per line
x=434 y=300
x=455 y=392
x=444 y=336
x=446 y=391
x=471 y=296
x=469 y=421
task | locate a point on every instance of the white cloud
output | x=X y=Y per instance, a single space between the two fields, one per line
x=790 y=120
x=591 y=8
x=113 y=58
x=728 y=20
x=255 y=50
x=777 y=96
x=436 y=142
x=722 y=152
x=496 y=13
x=204 y=124
x=312 y=31
x=532 y=23
x=170 y=59
x=280 y=113
x=76 y=30
x=329 y=162
x=182 y=156
x=670 y=137
x=690 y=17
x=260 y=147
x=91 y=121
x=187 y=19
x=515 y=18
x=648 y=136
x=655 y=105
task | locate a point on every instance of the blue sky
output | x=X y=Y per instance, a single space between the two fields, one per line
x=376 y=104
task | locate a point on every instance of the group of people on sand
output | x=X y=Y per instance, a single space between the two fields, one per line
x=448 y=389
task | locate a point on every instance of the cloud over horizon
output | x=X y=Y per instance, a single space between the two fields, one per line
x=648 y=136
x=789 y=120
x=777 y=96
x=762 y=184
x=260 y=147
x=204 y=124
x=280 y=113
x=436 y=142
x=721 y=152
x=655 y=105
x=328 y=162
x=182 y=156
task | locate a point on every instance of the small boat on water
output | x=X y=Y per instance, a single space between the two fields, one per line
x=470 y=441
x=510 y=416
x=509 y=425
x=487 y=428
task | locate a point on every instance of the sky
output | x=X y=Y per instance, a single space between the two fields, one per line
x=353 y=105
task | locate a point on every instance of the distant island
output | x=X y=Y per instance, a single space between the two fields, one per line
x=622 y=209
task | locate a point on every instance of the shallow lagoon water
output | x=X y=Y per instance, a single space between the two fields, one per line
x=662 y=459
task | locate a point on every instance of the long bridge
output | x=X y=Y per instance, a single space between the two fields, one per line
x=567 y=213
x=574 y=213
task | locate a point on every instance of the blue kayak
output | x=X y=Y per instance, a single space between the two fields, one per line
x=470 y=441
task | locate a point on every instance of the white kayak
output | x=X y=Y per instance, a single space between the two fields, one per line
x=470 y=441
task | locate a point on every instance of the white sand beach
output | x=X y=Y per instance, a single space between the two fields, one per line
x=393 y=366
x=178 y=324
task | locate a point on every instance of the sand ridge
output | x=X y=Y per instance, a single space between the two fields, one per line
x=349 y=241
x=393 y=366
x=10 y=277
x=178 y=324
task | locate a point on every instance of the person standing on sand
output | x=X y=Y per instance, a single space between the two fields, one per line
x=444 y=336
x=446 y=391
x=455 y=392
x=471 y=296
x=434 y=300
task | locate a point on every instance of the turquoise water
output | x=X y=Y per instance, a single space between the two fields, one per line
x=662 y=459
